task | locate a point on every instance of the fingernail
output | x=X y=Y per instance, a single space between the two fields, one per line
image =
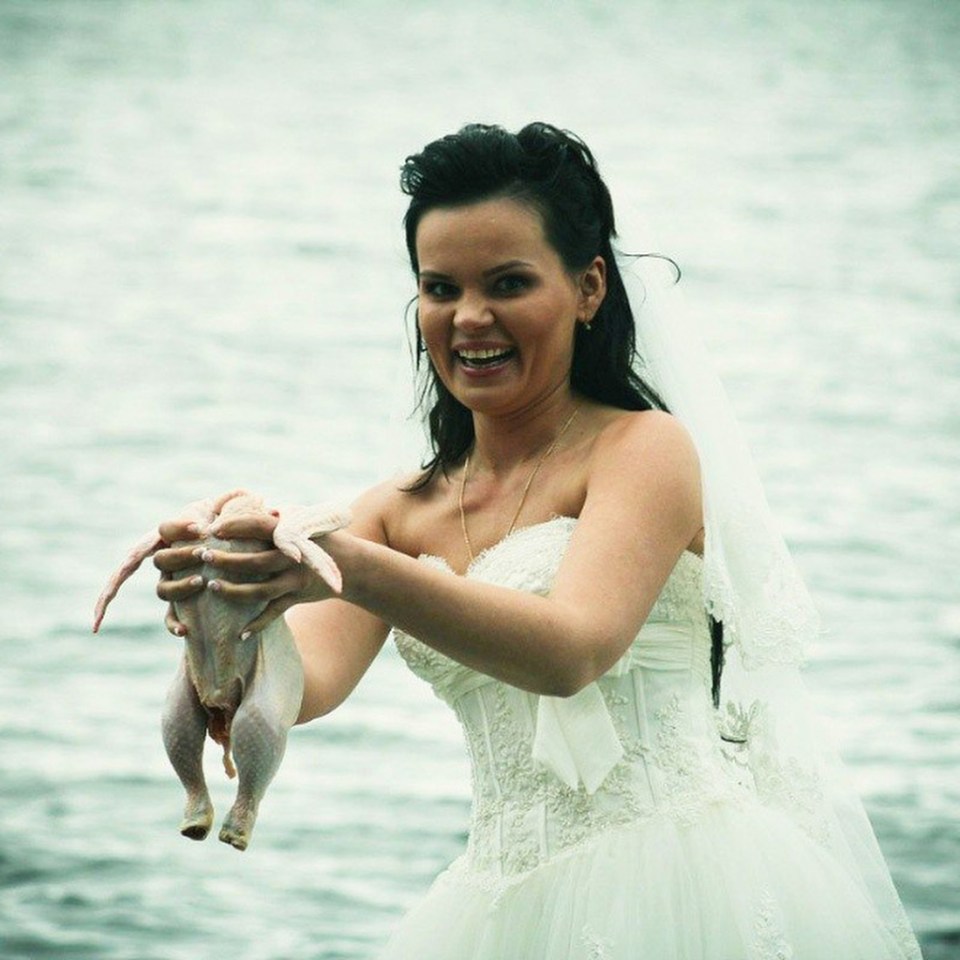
x=179 y=631
x=246 y=635
x=206 y=556
x=198 y=552
x=213 y=585
x=193 y=527
x=196 y=581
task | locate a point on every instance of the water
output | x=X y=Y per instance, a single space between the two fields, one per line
x=202 y=285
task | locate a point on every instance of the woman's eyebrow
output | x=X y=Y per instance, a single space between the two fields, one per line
x=509 y=265
x=499 y=268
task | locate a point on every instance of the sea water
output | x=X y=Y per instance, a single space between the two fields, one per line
x=202 y=285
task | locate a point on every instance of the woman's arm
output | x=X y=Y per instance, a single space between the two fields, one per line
x=338 y=640
x=642 y=510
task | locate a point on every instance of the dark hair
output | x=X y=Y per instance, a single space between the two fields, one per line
x=554 y=172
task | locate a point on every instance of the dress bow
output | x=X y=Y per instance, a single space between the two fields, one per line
x=576 y=739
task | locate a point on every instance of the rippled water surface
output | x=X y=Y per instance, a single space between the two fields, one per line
x=202 y=285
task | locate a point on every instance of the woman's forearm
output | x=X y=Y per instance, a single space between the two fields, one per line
x=631 y=531
x=337 y=642
x=529 y=641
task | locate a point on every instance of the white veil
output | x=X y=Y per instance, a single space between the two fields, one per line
x=752 y=586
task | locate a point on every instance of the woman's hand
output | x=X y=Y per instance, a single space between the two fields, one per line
x=172 y=560
x=264 y=576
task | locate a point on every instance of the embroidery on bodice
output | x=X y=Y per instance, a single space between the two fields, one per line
x=657 y=698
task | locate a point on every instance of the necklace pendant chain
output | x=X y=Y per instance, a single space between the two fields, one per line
x=526 y=487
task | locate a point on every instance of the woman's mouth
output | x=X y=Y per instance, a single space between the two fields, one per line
x=484 y=359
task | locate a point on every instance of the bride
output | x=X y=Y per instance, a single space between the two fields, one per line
x=585 y=570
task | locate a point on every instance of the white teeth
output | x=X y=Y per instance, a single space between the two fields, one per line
x=481 y=354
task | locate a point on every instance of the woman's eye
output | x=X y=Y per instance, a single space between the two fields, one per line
x=438 y=289
x=511 y=283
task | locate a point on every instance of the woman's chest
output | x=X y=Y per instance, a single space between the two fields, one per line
x=460 y=529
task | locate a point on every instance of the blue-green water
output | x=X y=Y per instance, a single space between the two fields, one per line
x=202 y=285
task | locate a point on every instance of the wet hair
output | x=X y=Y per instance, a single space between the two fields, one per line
x=554 y=173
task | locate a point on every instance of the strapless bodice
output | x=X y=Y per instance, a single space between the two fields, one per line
x=549 y=772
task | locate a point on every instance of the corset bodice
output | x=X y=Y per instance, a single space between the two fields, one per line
x=550 y=772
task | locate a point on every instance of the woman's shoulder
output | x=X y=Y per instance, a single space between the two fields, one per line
x=643 y=437
x=646 y=462
x=389 y=511
x=648 y=449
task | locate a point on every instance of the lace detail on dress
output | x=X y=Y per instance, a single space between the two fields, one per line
x=527 y=560
x=598 y=948
x=903 y=933
x=679 y=600
x=750 y=745
x=537 y=844
x=523 y=814
x=507 y=787
x=687 y=786
x=770 y=940
x=775 y=622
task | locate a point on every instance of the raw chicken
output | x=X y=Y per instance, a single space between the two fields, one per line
x=245 y=693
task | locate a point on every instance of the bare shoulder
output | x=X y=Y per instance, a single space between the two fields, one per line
x=390 y=511
x=374 y=509
x=648 y=442
x=644 y=465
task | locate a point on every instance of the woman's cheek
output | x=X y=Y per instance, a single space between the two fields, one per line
x=439 y=355
x=434 y=340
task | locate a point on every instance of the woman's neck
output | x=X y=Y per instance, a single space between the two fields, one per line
x=504 y=443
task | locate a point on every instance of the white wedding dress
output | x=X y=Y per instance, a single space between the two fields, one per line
x=674 y=855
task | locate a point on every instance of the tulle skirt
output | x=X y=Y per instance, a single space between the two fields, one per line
x=742 y=883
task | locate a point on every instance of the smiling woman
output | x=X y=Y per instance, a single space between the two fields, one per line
x=554 y=178
x=497 y=307
x=550 y=571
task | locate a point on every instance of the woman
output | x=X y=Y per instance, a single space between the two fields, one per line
x=548 y=572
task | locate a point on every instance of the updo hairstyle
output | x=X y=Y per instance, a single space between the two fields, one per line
x=554 y=173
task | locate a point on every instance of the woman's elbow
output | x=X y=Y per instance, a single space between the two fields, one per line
x=309 y=711
x=568 y=685
x=578 y=671
x=318 y=701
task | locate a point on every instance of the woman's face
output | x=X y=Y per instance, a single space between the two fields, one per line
x=497 y=309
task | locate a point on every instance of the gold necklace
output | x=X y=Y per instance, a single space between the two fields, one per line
x=526 y=487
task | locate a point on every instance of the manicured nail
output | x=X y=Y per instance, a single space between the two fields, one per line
x=179 y=631
x=197 y=552
x=206 y=556
x=196 y=581
x=246 y=635
x=214 y=585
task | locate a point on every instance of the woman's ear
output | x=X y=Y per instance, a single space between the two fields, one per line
x=593 y=288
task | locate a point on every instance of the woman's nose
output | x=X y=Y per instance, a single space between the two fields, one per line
x=473 y=312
